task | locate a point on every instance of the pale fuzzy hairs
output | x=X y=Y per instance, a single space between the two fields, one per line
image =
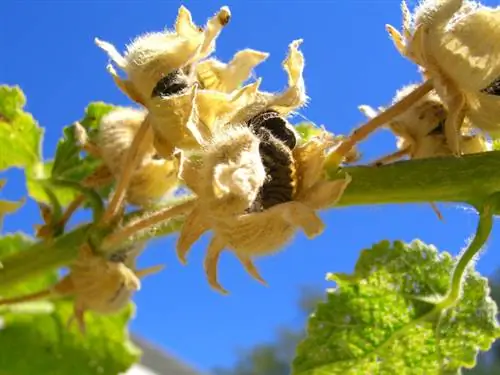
x=438 y=13
x=151 y=55
x=153 y=179
x=233 y=162
x=116 y=133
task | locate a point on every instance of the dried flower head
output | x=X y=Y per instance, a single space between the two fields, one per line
x=154 y=177
x=213 y=74
x=97 y=284
x=167 y=55
x=294 y=189
x=229 y=174
x=453 y=41
x=420 y=130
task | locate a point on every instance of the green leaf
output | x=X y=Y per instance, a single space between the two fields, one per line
x=51 y=348
x=68 y=164
x=16 y=243
x=40 y=329
x=376 y=322
x=307 y=130
x=20 y=135
x=7 y=207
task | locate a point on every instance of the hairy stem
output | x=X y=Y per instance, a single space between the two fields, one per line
x=469 y=179
x=42 y=256
x=483 y=232
x=132 y=158
x=119 y=237
x=376 y=122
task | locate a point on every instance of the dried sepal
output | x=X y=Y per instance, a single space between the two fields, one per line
x=213 y=74
x=293 y=98
x=153 y=55
x=187 y=121
x=453 y=42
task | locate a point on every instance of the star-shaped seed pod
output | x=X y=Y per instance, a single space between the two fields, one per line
x=165 y=56
x=248 y=234
x=154 y=177
x=453 y=42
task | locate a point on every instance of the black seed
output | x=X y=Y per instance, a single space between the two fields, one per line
x=278 y=163
x=439 y=129
x=173 y=83
x=277 y=125
x=493 y=88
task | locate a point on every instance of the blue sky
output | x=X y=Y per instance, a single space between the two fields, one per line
x=48 y=50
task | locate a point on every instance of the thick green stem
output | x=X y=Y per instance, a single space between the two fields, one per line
x=470 y=179
x=40 y=257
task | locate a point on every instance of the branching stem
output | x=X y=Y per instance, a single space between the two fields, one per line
x=130 y=164
x=470 y=179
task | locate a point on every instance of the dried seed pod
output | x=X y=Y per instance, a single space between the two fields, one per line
x=154 y=177
x=420 y=130
x=295 y=190
x=96 y=283
x=228 y=176
x=454 y=42
x=215 y=75
x=154 y=56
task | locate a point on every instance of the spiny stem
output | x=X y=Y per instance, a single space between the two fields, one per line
x=131 y=160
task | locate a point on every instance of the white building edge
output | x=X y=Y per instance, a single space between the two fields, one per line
x=156 y=361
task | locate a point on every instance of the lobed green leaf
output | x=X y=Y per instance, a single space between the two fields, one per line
x=20 y=135
x=40 y=330
x=68 y=164
x=376 y=320
x=52 y=348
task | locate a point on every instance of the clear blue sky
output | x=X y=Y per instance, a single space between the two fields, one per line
x=47 y=48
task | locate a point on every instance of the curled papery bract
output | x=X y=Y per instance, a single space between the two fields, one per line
x=263 y=232
x=213 y=74
x=291 y=99
x=154 y=177
x=153 y=55
x=187 y=121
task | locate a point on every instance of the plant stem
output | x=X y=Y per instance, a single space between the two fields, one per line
x=470 y=179
x=42 y=256
x=483 y=232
